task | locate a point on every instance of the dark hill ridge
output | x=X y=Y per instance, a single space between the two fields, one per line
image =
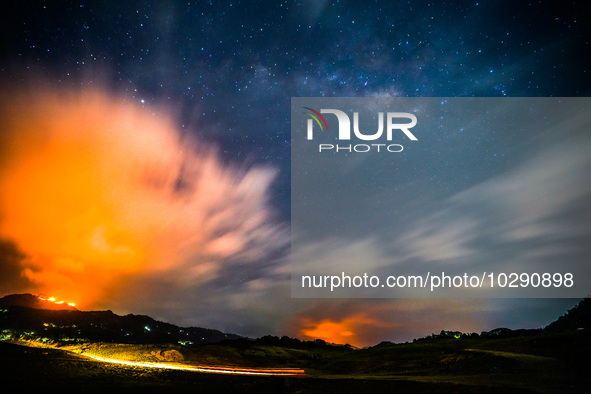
x=25 y=315
x=31 y=301
x=576 y=318
x=21 y=314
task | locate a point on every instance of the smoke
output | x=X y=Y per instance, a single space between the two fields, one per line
x=350 y=329
x=95 y=190
x=364 y=322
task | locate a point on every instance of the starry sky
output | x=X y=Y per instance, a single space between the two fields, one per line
x=221 y=75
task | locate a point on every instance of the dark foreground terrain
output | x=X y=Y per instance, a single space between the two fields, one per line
x=26 y=369
x=445 y=366
x=43 y=349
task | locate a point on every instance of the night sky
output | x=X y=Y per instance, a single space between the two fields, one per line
x=222 y=74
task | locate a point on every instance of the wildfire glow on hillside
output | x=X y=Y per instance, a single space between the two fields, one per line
x=55 y=301
x=95 y=189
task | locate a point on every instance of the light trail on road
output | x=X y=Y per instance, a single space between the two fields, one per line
x=207 y=369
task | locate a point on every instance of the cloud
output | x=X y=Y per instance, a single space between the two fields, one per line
x=97 y=192
x=333 y=255
x=537 y=210
x=428 y=240
x=534 y=199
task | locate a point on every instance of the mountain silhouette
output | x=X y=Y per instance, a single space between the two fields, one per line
x=30 y=315
x=576 y=318
x=31 y=301
x=27 y=314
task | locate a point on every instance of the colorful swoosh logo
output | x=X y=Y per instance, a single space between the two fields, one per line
x=315 y=116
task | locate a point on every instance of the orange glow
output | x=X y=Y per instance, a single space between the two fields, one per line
x=63 y=166
x=55 y=301
x=95 y=190
x=330 y=331
x=339 y=332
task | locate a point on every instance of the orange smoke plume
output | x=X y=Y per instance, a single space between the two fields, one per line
x=95 y=189
x=342 y=331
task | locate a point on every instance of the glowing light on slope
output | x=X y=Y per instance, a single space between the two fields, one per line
x=55 y=301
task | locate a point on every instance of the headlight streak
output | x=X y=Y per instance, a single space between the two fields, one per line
x=223 y=370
